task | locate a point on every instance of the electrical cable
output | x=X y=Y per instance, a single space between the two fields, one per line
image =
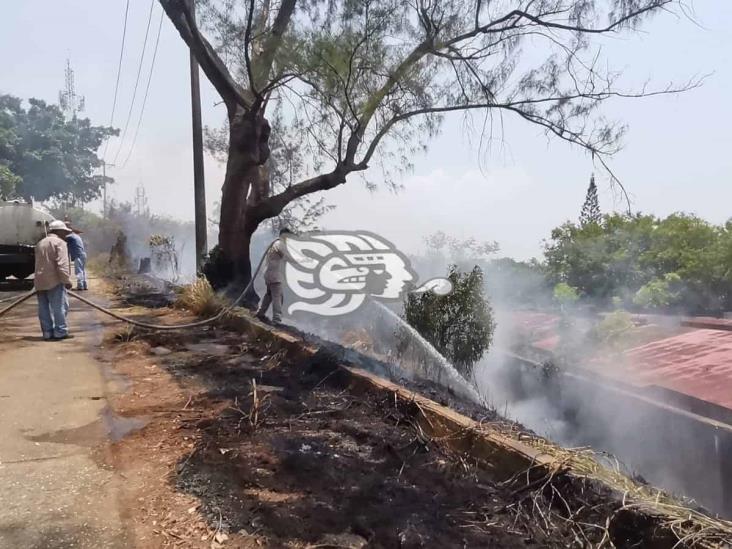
x=119 y=72
x=137 y=83
x=147 y=89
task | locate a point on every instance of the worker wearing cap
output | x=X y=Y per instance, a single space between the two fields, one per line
x=273 y=275
x=52 y=279
x=77 y=254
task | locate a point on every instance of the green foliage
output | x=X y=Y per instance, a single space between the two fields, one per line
x=591 y=208
x=517 y=283
x=614 y=328
x=8 y=181
x=599 y=259
x=44 y=156
x=565 y=295
x=659 y=293
x=623 y=253
x=218 y=269
x=459 y=325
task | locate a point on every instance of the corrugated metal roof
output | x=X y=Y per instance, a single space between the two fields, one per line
x=696 y=362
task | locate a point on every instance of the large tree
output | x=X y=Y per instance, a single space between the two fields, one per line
x=681 y=259
x=348 y=79
x=44 y=155
x=591 y=208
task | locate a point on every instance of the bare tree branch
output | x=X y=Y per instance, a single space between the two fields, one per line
x=515 y=106
x=215 y=69
x=262 y=63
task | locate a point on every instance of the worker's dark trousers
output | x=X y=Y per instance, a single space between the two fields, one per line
x=275 y=297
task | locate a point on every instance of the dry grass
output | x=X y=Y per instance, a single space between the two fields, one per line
x=258 y=406
x=691 y=527
x=98 y=265
x=542 y=503
x=200 y=299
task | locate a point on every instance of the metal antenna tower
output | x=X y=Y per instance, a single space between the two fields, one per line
x=71 y=104
x=141 y=207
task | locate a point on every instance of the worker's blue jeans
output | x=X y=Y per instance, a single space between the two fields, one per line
x=80 y=272
x=53 y=306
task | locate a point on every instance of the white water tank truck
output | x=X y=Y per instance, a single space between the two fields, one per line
x=21 y=227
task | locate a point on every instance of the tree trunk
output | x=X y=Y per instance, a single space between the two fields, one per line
x=248 y=152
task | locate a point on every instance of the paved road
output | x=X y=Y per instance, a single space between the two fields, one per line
x=54 y=489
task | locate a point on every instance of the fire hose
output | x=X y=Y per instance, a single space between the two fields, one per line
x=226 y=310
x=8 y=299
x=17 y=302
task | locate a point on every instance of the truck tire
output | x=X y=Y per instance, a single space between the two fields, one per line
x=22 y=272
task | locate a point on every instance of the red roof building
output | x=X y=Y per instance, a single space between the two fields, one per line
x=697 y=363
x=692 y=357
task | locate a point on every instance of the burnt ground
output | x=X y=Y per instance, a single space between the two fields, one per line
x=298 y=461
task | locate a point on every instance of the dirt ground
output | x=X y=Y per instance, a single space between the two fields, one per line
x=243 y=449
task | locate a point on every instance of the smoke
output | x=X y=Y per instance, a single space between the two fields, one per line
x=100 y=235
x=564 y=375
x=562 y=372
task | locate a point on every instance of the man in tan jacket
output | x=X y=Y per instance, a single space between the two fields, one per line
x=273 y=274
x=52 y=279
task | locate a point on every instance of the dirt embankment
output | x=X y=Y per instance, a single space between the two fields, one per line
x=245 y=449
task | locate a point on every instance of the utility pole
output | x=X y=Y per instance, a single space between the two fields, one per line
x=104 y=199
x=199 y=187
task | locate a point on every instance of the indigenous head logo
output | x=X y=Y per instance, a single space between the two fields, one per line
x=333 y=272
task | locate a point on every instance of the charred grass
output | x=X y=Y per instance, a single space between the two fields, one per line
x=281 y=454
x=256 y=450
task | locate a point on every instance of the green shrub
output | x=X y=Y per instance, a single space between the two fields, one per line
x=565 y=295
x=614 y=329
x=659 y=293
x=459 y=325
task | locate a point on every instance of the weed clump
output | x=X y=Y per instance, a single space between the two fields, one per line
x=200 y=299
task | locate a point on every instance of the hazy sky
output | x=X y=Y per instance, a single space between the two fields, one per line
x=677 y=155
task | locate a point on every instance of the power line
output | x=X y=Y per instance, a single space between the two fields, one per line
x=147 y=89
x=137 y=82
x=119 y=71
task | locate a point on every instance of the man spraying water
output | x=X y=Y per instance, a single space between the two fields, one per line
x=273 y=277
x=52 y=279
